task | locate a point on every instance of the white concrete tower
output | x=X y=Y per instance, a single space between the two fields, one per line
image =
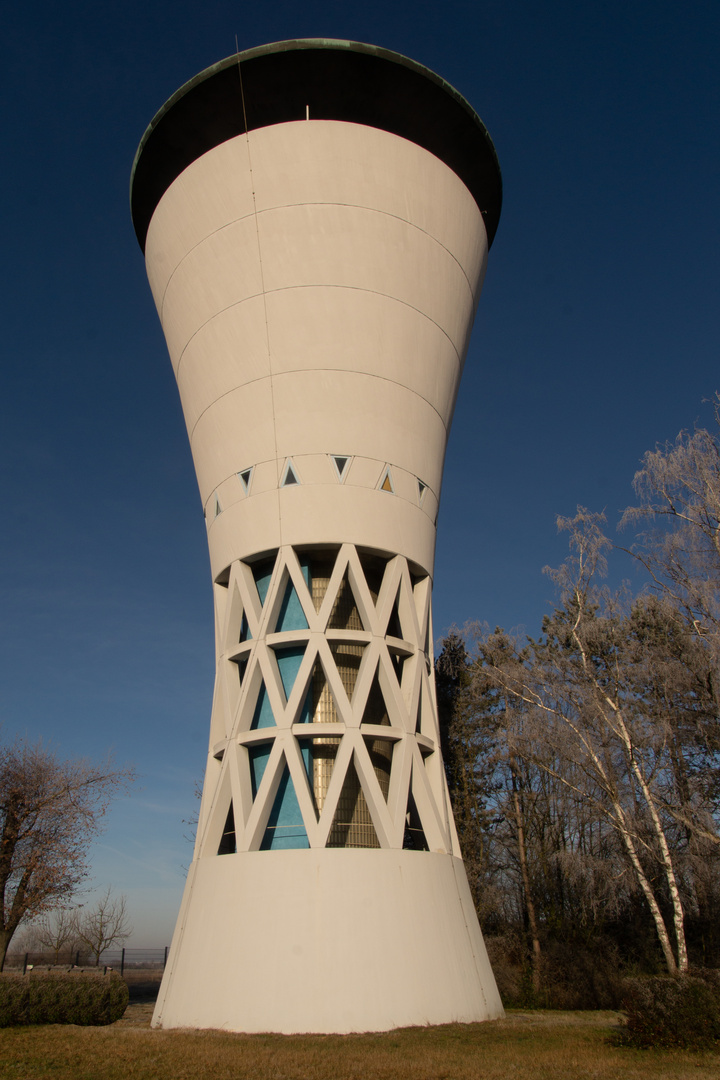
x=315 y=217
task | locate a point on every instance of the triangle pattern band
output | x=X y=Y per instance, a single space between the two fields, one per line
x=331 y=736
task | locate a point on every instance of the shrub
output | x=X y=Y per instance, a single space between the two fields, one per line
x=578 y=977
x=666 y=1011
x=62 y=997
x=505 y=955
x=572 y=976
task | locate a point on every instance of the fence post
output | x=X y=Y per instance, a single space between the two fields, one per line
x=25 y=963
x=165 y=960
x=77 y=958
x=122 y=962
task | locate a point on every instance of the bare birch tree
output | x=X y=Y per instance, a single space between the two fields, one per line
x=679 y=510
x=583 y=766
x=679 y=491
x=590 y=732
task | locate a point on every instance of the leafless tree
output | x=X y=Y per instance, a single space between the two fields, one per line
x=679 y=490
x=583 y=765
x=56 y=932
x=103 y=925
x=535 y=857
x=586 y=726
x=50 y=810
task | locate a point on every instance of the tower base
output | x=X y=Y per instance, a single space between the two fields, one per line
x=330 y=940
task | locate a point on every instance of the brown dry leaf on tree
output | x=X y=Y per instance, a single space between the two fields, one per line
x=50 y=810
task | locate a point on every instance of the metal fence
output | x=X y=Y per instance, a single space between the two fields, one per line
x=121 y=960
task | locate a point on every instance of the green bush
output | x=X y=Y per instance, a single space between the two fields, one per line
x=572 y=976
x=666 y=1011
x=62 y=997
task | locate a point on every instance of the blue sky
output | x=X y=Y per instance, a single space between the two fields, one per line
x=596 y=337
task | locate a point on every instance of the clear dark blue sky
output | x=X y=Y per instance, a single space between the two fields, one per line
x=597 y=336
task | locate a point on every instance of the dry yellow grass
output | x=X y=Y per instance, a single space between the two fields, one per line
x=531 y=1046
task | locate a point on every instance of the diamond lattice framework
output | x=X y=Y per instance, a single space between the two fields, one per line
x=324 y=727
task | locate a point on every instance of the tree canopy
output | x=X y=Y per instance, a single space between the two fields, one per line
x=50 y=810
x=583 y=763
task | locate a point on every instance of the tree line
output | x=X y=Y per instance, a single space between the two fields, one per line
x=79 y=934
x=583 y=764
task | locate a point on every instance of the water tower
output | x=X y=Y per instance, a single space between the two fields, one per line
x=315 y=217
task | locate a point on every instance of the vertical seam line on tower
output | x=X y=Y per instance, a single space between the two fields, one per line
x=264 y=295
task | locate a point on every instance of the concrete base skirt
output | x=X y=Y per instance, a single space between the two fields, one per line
x=328 y=940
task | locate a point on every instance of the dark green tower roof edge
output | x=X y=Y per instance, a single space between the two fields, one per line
x=339 y=80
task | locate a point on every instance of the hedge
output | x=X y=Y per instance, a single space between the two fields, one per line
x=664 y=1011
x=62 y=997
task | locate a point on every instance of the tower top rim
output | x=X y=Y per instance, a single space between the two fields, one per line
x=337 y=80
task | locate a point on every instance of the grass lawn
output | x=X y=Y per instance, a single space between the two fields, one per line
x=527 y=1045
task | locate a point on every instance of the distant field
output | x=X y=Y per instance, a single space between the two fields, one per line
x=524 y=1046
